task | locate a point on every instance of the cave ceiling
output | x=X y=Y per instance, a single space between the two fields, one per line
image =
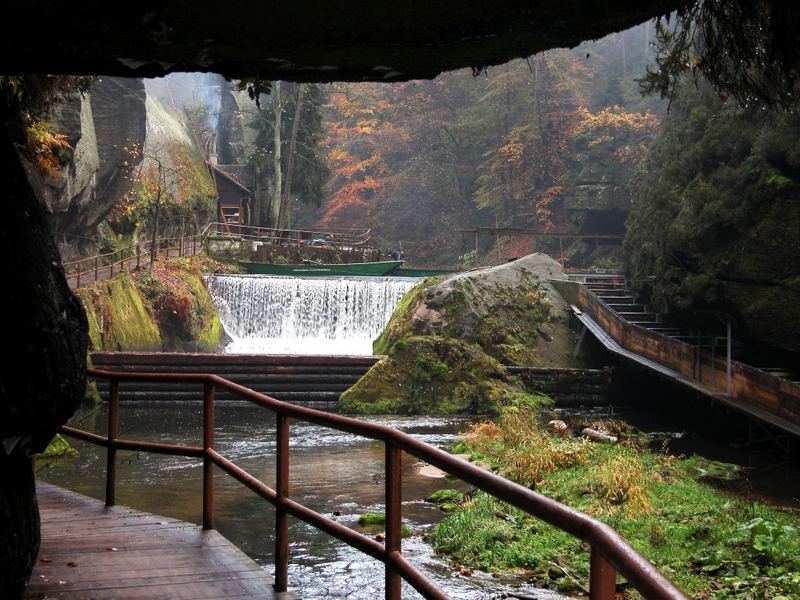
x=301 y=40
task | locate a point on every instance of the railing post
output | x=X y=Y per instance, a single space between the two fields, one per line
x=208 y=465
x=281 y=516
x=111 y=450
x=96 y=275
x=394 y=517
x=138 y=254
x=78 y=280
x=602 y=578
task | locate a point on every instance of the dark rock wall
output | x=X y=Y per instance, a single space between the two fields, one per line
x=105 y=128
x=42 y=375
x=716 y=225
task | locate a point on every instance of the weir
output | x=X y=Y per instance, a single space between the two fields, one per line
x=293 y=315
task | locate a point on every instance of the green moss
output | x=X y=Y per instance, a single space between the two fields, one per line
x=120 y=319
x=211 y=337
x=433 y=375
x=446 y=495
x=397 y=327
x=95 y=337
x=59 y=448
x=379 y=519
x=372 y=519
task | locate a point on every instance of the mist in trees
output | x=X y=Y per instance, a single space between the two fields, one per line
x=416 y=161
x=287 y=157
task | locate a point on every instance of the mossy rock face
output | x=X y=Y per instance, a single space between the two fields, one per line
x=166 y=309
x=509 y=311
x=434 y=375
x=118 y=319
x=717 y=230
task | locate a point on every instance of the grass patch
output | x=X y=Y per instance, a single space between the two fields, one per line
x=711 y=544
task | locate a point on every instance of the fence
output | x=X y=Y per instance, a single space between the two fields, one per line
x=609 y=553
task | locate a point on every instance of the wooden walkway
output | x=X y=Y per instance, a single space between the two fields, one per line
x=609 y=311
x=90 y=551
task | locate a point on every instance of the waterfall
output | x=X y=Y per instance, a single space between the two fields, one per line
x=298 y=315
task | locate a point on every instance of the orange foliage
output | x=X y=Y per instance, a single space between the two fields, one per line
x=48 y=150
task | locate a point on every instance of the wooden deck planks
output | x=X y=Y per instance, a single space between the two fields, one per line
x=90 y=551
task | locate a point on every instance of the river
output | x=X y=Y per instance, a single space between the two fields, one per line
x=331 y=472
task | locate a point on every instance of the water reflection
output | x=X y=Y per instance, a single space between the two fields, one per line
x=332 y=472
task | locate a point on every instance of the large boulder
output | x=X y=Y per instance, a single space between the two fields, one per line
x=449 y=338
x=510 y=311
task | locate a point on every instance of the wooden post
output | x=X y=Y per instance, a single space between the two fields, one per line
x=602 y=578
x=113 y=434
x=394 y=517
x=96 y=276
x=728 y=371
x=281 y=516
x=713 y=361
x=208 y=465
x=699 y=356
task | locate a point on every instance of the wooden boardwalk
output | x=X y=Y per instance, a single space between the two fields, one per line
x=90 y=551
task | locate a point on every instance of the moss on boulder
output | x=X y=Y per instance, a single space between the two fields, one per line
x=448 y=339
x=435 y=375
x=510 y=311
x=118 y=319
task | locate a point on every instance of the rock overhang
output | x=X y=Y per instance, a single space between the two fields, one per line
x=301 y=40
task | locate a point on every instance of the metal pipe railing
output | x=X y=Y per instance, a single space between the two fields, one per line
x=609 y=552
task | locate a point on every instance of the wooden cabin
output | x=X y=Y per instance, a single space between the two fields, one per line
x=235 y=199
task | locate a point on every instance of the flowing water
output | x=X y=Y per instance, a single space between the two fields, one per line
x=331 y=472
x=265 y=314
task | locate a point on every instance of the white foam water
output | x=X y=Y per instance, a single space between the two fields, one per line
x=266 y=314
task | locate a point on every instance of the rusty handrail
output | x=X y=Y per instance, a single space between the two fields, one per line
x=609 y=552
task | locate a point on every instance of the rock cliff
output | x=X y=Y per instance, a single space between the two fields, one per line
x=103 y=127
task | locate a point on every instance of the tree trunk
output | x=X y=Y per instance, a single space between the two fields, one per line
x=276 y=158
x=43 y=377
x=154 y=237
x=283 y=216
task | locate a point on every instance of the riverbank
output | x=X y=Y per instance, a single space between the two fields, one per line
x=679 y=512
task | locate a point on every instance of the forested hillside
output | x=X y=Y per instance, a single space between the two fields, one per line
x=549 y=143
